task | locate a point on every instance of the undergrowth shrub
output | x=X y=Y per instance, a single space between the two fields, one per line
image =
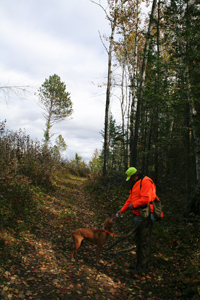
x=79 y=169
x=22 y=156
x=23 y=164
x=16 y=199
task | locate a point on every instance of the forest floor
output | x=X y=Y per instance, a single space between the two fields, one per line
x=35 y=252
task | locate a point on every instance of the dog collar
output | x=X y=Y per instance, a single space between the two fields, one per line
x=108 y=232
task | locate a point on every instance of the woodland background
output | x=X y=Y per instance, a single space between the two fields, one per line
x=153 y=69
x=157 y=73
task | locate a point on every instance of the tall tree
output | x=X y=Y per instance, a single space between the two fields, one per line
x=141 y=87
x=56 y=103
x=192 y=36
x=112 y=16
x=108 y=91
x=130 y=31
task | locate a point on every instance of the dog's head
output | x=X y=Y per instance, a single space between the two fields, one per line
x=109 y=222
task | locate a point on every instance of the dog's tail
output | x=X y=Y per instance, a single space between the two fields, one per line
x=70 y=233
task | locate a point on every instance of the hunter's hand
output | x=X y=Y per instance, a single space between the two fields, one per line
x=119 y=213
x=131 y=207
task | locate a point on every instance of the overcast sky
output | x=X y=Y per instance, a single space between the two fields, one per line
x=40 y=38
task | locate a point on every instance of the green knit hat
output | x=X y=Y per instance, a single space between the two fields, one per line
x=131 y=171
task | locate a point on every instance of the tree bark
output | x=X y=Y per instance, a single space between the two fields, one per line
x=133 y=93
x=141 y=87
x=107 y=108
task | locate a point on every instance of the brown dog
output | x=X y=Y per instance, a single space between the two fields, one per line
x=95 y=236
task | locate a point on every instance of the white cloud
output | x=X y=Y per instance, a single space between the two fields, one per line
x=42 y=38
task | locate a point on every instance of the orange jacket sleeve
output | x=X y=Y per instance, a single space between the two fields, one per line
x=128 y=201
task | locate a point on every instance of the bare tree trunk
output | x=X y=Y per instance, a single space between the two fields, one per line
x=112 y=18
x=187 y=120
x=123 y=109
x=106 y=124
x=48 y=127
x=186 y=86
x=133 y=93
x=141 y=87
x=150 y=127
x=197 y=148
x=158 y=92
x=133 y=80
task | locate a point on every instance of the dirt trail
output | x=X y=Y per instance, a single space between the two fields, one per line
x=35 y=256
x=42 y=268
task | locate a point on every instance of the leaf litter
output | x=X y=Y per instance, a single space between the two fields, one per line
x=35 y=257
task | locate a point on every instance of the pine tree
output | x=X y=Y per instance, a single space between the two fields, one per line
x=56 y=103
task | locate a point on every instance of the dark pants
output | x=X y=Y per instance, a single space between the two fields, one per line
x=143 y=241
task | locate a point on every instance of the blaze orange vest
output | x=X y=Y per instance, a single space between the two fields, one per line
x=141 y=195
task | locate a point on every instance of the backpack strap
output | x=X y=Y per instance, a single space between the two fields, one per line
x=148 y=179
x=141 y=181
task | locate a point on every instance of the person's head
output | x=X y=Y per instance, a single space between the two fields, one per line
x=132 y=174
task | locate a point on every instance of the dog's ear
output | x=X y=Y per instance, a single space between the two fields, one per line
x=113 y=217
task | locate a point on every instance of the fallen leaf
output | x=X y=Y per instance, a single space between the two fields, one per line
x=137 y=287
x=127 y=265
x=112 y=291
x=142 y=278
x=89 y=293
x=31 y=279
